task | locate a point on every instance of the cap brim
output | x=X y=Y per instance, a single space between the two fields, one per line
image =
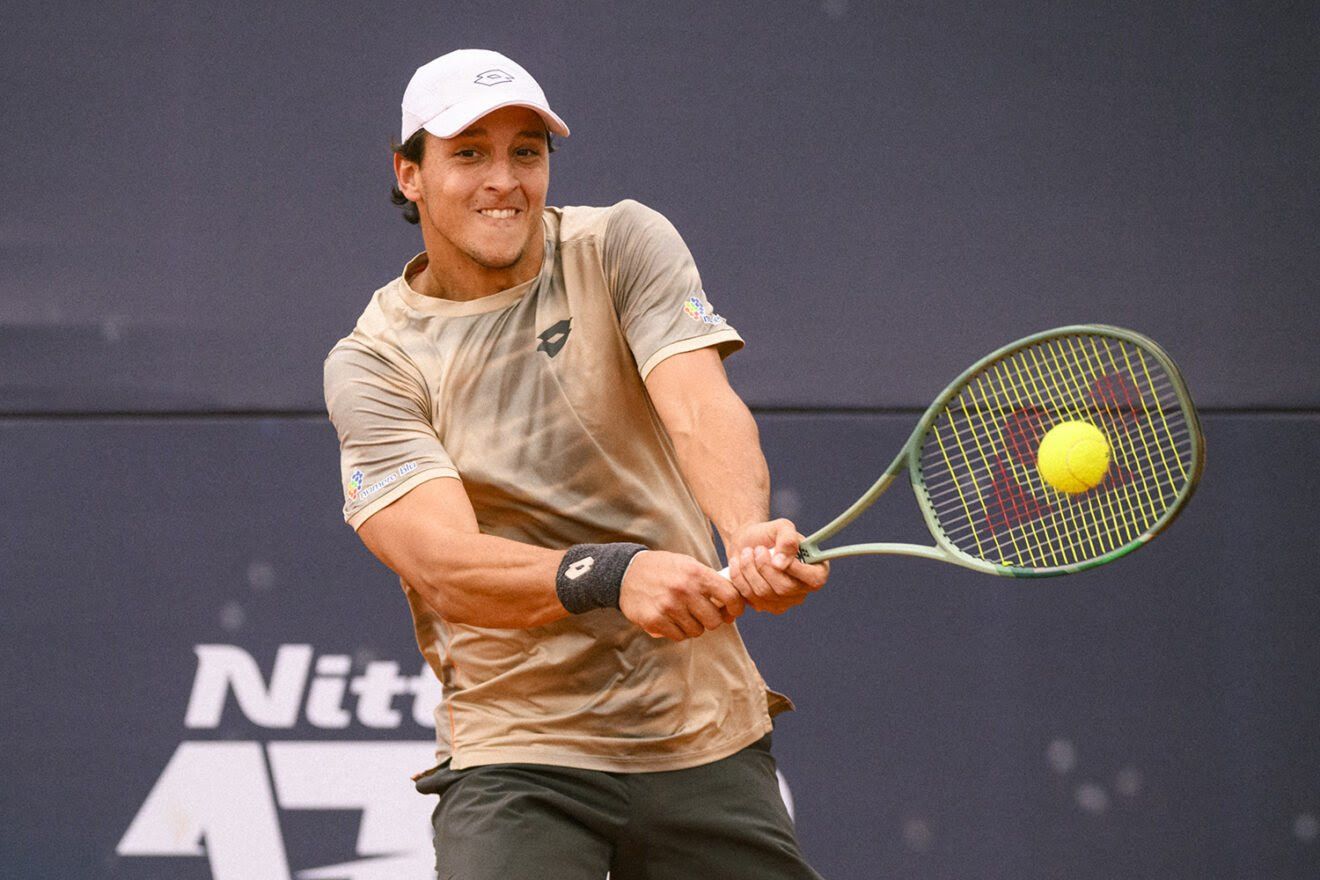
x=462 y=115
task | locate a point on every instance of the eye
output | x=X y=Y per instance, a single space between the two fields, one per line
x=528 y=152
x=466 y=153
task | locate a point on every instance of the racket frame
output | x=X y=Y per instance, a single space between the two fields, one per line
x=909 y=457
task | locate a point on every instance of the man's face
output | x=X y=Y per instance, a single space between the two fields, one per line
x=480 y=193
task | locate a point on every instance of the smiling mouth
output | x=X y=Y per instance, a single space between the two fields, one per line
x=499 y=213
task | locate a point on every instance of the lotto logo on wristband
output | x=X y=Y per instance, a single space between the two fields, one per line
x=591 y=575
x=579 y=568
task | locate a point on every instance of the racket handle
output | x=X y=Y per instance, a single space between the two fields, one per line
x=724 y=573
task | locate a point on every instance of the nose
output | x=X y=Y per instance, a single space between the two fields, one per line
x=501 y=177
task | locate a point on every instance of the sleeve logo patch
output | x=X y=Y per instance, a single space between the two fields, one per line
x=697 y=310
x=356 y=492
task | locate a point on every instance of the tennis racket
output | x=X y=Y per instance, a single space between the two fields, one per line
x=972 y=458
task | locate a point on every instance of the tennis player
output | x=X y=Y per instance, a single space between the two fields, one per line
x=536 y=433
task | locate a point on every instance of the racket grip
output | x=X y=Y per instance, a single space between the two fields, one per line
x=724 y=573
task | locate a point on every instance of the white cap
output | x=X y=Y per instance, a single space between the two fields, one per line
x=448 y=94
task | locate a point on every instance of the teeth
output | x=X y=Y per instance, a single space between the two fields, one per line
x=499 y=213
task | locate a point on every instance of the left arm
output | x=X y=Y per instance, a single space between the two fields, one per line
x=719 y=453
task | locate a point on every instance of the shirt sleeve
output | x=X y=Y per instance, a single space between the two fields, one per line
x=387 y=446
x=657 y=291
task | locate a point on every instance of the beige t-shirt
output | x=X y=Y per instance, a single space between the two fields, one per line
x=534 y=398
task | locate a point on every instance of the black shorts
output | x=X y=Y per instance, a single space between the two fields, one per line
x=721 y=820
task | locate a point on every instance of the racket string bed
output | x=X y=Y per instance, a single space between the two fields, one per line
x=977 y=463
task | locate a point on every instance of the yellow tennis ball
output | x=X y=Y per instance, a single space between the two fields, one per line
x=1073 y=457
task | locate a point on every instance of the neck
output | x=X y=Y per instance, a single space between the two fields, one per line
x=456 y=276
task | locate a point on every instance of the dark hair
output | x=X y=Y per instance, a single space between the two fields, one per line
x=413 y=149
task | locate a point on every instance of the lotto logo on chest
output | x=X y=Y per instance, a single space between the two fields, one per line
x=553 y=337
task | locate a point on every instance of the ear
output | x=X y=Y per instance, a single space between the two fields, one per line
x=407 y=172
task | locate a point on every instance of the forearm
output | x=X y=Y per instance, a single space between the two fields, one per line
x=483 y=580
x=495 y=582
x=430 y=538
x=502 y=584
x=719 y=453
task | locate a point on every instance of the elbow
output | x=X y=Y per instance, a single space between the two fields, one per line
x=431 y=578
x=439 y=594
x=456 y=601
x=439 y=575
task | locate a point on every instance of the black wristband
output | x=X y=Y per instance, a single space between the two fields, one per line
x=590 y=575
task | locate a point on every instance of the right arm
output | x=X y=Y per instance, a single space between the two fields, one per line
x=424 y=528
x=429 y=537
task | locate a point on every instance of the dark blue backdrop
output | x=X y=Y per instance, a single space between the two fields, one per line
x=195 y=209
x=195 y=195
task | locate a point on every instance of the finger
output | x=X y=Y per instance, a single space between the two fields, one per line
x=721 y=610
x=783 y=585
x=787 y=542
x=664 y=629
x=760 y=591
x=738 y=565
x=725 y=595
x=802 y=574
x=691 y=627
x=735 y=575
x=724 y=591
x=789 y=593
x=811 y=575
x=705 y=611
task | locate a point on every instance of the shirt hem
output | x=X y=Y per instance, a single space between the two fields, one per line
x=692 y=343
x=462 y=760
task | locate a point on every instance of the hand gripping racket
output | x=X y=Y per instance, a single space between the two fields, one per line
x=972 y=459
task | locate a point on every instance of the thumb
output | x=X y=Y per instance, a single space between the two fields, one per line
x=787 y=542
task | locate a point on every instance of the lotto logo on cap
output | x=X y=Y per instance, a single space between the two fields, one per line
x=492 y=78
x=452 y=92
